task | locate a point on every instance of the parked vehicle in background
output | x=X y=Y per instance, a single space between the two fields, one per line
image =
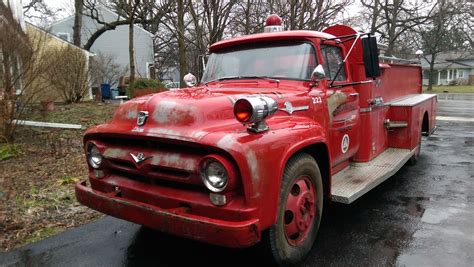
x=281 y=122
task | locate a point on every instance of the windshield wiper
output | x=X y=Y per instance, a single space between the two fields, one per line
x=261 y=77
x=244 y=77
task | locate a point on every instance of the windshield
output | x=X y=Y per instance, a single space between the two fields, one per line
x=295 y=61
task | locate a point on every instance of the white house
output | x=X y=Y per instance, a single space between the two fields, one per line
x=113 y=42
x=451 y=68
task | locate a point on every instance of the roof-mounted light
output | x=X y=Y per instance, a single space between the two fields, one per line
x=273 y=24
x=254 y=110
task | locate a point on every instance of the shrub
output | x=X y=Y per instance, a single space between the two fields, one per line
x=142 y=86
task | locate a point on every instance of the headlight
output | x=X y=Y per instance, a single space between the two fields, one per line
x=214 y=175
x=93 y=156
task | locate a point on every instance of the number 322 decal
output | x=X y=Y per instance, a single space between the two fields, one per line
x=317 y=100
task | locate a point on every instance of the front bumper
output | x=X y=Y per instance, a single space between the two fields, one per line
x=173 y=221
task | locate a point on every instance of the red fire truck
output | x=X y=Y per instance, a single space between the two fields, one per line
x=280 y=122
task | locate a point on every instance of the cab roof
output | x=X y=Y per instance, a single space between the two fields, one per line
x=271 y=36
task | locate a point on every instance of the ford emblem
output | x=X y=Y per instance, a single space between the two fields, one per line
x=141 y=119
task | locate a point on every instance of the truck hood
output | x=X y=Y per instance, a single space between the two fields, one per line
x=189 y=114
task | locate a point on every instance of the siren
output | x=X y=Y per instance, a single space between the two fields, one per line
x=273 y=24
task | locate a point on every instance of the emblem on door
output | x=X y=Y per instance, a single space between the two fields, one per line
x=345 y=143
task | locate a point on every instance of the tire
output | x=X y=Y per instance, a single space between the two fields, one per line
x=299 y=211
x=414 y=159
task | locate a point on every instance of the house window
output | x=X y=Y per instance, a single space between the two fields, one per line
x=460 y=74
x=443 y=74
x=65 y=36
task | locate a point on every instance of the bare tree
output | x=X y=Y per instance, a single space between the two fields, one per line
x=68 y=72
x=445 y=32
x=78 y=7
x=392 y=18
x=104 y=69
x=23 y=66
x=143 y=13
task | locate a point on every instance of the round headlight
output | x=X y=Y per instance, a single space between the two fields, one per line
x=214 y=175
x=93 y=156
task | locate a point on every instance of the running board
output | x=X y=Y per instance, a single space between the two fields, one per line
x=359 y=178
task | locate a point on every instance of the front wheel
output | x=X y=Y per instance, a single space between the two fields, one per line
x=299 y=211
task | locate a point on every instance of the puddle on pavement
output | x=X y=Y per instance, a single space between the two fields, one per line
x=413 y=205
x=469 y=141
x=437 y=215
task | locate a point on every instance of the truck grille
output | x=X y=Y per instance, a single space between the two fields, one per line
x=162 y=162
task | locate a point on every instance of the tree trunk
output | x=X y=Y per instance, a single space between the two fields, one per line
x=181 y=43
x=431 y=73
x=8 y=99
x=78 y=6
x=131 y=50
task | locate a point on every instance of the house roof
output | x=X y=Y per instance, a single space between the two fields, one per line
x=456 y=55
x=103 y=9
x=452 y=59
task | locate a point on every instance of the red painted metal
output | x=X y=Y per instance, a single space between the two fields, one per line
x=174 y=221
x=165 y=190
x=300 y=210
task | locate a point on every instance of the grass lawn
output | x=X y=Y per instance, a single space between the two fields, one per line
x=38 y=173
x=451 y=89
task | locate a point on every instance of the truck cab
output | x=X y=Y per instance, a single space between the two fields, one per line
x=280 y=122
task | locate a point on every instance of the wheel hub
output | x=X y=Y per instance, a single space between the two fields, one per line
x=300 y=210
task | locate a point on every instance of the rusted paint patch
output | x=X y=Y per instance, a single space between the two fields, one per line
x=171 y=112
x=174 y=160
x=198 y=134
x=163 y=131
x=128 y=111
x=334 y=101
x=226 y=142
x=132 y=114
x=253 y=166
x=115 y=153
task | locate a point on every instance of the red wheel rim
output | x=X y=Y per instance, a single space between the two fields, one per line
x=300 y=211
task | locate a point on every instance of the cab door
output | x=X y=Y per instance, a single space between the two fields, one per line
x=343 y=107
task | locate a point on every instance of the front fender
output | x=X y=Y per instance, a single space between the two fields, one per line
x=261 y=159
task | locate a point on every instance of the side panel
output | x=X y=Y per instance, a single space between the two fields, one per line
x=373 y=140
x=408 y=137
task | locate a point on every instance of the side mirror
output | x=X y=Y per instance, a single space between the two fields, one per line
x=371 y=57
x=190 y=80
x=318 y=74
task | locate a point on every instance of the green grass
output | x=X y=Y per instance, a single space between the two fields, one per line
x=42 y=234
x=8 y=151
x=451 y=89
x=68 y=180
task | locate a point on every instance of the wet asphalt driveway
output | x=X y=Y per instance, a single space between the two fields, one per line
x=422 y=216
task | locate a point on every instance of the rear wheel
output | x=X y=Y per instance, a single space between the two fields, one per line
x=299 y=211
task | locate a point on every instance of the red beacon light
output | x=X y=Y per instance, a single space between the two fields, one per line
x=253 y=110
x=273 y=24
